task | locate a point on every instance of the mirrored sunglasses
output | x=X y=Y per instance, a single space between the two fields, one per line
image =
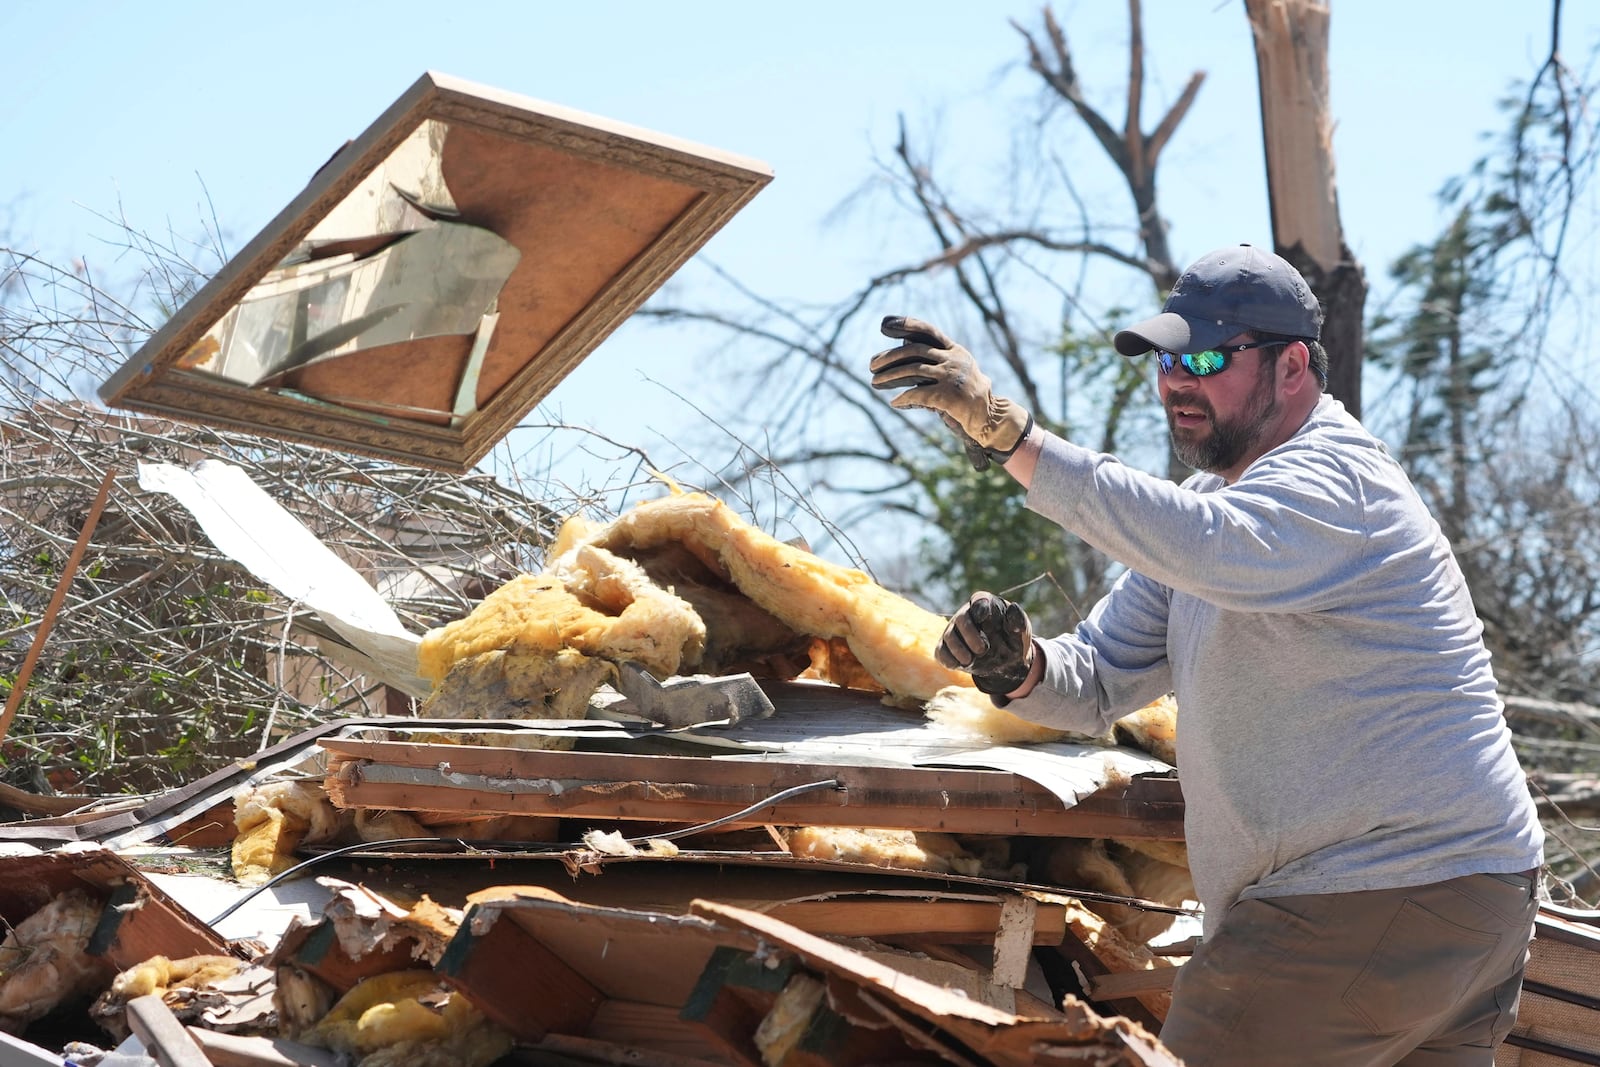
x=1211 y=361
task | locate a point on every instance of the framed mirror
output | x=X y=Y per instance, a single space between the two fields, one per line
x=438 y=277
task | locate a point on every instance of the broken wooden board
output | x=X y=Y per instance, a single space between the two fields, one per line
x=731 y=985
x=824 y=894
x=693 y=789
x=973 y=1029
x=596 y=215
x=361 y=933
x=537 y=963
x=1558 y=1019
x=139 y=919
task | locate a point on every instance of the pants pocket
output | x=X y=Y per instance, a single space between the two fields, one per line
x=1422 y=967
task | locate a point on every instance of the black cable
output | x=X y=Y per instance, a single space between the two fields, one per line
x=776 y=798
x=372 y=846
x=363 y=846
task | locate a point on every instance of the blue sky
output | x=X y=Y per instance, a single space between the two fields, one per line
x=167 y=112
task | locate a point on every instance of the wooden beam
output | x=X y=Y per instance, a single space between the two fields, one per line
x=164 y=1037
x=1121 y=984
x=621 y=1054
x=238 y=1050
x=729 y=1000
x=1079 y=959
x=957 y=922
x=631 y=1033
x=692 y=789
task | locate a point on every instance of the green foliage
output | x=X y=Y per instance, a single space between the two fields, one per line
x=1507 y=469
x=1443 y=349
x=993 y=541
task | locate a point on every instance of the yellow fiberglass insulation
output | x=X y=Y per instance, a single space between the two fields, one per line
x=179 y=982
x=274 y=819
x=912 y=849
x=45 y=961
x=682 y=584
x=964 y=711
x=591 y=599
x=409 y=1019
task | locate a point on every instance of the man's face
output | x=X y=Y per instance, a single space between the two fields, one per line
x=1218 y=421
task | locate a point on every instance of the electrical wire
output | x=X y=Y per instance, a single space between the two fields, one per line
x=776 y=798
x=363 y=846
x=502 y=847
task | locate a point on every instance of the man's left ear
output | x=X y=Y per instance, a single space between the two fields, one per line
x=1301 y=357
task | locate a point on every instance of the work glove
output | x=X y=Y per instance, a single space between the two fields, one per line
x=944 y=377
x=990 y=639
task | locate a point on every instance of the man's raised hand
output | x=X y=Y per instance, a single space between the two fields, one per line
x=940 y=375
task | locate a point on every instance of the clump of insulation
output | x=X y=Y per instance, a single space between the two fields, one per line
x=906 y=849
x=178 y=982
x=45 y=961
x=680 y=585
x=409 y=1019
x=274 y=819
x=966 y=712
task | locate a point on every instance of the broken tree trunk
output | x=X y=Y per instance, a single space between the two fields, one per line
x=1291 y=38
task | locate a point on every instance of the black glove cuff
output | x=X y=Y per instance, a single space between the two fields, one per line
x=997 y=454
x=996 y=684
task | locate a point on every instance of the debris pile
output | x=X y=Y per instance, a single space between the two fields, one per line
x=884 y=869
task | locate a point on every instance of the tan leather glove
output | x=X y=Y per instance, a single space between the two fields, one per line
x=991 y=639
x=942 y=376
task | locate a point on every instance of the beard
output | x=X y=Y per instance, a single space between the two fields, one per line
x=1229 y=440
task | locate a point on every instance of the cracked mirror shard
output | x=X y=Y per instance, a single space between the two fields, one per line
x=386 y=266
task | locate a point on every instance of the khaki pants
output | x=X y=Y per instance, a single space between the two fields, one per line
x=1426 y=976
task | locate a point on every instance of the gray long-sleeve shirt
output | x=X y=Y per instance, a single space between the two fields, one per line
x=1338 y=725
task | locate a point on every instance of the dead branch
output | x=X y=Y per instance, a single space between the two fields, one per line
x=1134 y=152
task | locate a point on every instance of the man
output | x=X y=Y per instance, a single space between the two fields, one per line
x=1360 y=833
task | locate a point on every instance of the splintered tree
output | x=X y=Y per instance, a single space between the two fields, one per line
x=1291 y=38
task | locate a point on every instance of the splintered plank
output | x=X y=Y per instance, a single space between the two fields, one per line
x=692 y=789
x=1121 y=984
x=993 y=1035
x=1079 y=960
x=946 y=919
x=515 y=980
x=166 y=1038
x=315 y=949
x=644 y=1035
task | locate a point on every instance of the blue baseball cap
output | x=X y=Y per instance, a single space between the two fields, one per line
x=1234 y=290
